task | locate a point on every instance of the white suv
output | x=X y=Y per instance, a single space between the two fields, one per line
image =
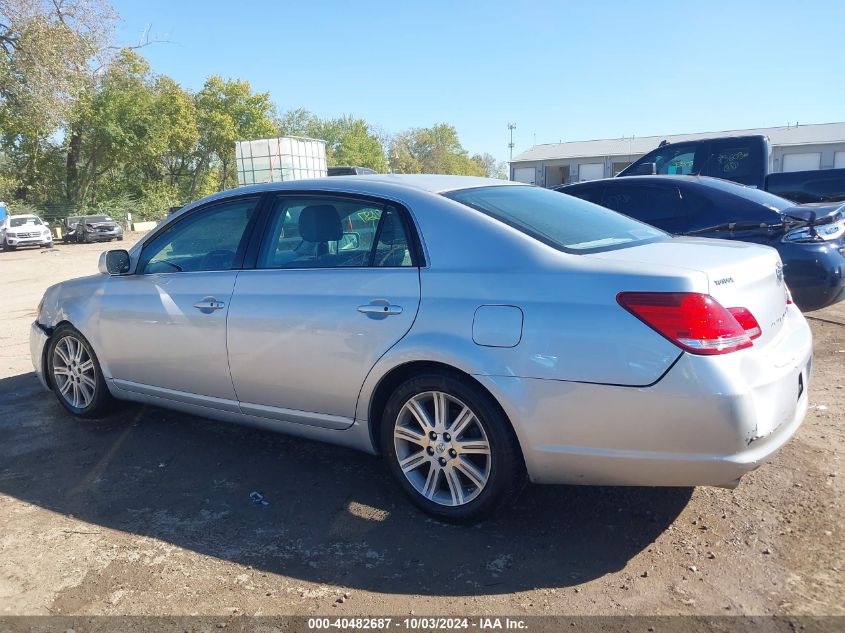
x=24 y=230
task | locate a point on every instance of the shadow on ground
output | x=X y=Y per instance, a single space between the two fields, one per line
x=334 y=516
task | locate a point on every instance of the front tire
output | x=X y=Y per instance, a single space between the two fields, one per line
x=75 y=374
x=450 y=447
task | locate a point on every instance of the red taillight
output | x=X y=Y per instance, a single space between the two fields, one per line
x=788 y=295
x=744 y=317
x=695 y=322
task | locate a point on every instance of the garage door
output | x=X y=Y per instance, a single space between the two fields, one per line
x=524 y=174
x=839 y=160
x=802 y=162
x=590 y=171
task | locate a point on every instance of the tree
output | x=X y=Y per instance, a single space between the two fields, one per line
x=114 y=131
x=47 y=50
x=228 y=111
x=349 y=140
x=492 y=168
x=175 y=129
x=434 y=150
x=296 y=122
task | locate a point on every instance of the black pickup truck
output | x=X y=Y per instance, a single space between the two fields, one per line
x=743 y=159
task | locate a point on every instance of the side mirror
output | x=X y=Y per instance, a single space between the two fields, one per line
x=349 y=242
x=643 y=169
x=114 y=262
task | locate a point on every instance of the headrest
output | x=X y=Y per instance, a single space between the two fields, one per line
x=320 y=223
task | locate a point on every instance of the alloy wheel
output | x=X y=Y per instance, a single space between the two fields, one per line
x=74 y=372
x=442 y=448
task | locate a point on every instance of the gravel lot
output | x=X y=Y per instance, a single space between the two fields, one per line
x=149 y=512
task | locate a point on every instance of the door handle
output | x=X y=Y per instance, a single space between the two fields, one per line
x=379 y=309
x=209 y=305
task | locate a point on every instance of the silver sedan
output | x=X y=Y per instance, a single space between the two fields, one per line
x=472 y=331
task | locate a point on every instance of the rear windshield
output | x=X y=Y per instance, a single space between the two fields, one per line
x=770 y=200
x=564 y=222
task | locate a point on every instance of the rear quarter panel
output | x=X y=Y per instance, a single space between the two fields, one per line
x=573 y=329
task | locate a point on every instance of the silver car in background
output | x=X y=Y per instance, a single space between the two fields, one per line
x=471 y=331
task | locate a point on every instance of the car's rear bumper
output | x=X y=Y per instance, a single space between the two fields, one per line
x=708 y=421
x=37 y=343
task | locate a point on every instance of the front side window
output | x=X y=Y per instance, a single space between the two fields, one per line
x=334 y=232
x=207 y=240
x=563 y=222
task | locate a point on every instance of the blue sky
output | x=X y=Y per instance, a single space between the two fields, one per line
x=559 y=70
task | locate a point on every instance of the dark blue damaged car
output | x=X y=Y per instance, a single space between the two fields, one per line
x=809 y=237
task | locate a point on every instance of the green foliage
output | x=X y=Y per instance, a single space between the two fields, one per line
x=87 y=128
x=434 y=150
x=227 y=111
x=492 y=168
x=349 y=140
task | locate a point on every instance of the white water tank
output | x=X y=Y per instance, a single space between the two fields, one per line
x=279 y=159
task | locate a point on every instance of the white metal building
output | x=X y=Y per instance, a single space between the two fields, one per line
x=794 y=148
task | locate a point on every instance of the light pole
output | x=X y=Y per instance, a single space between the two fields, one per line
x=511 y=127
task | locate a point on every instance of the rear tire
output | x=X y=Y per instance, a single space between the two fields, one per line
x=450 y=448
x=75 y=375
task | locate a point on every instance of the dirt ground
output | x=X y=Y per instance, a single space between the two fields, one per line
x=149 y=512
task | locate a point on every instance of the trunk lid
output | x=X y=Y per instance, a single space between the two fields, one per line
x=740 y=275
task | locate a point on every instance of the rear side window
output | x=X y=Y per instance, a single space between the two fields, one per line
x=564 y=222
x=739 y=161
x=658 y=206
x=588 y=193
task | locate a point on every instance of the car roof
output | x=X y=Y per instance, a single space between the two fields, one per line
x=433 y=183
x=362 y=184
x=24 y=215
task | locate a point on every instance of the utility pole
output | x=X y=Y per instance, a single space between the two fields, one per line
x=511 y=127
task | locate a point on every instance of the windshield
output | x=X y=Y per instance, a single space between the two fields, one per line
x=24 y=221
x=564 y=222
x=97 y=218
x=770 y=200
